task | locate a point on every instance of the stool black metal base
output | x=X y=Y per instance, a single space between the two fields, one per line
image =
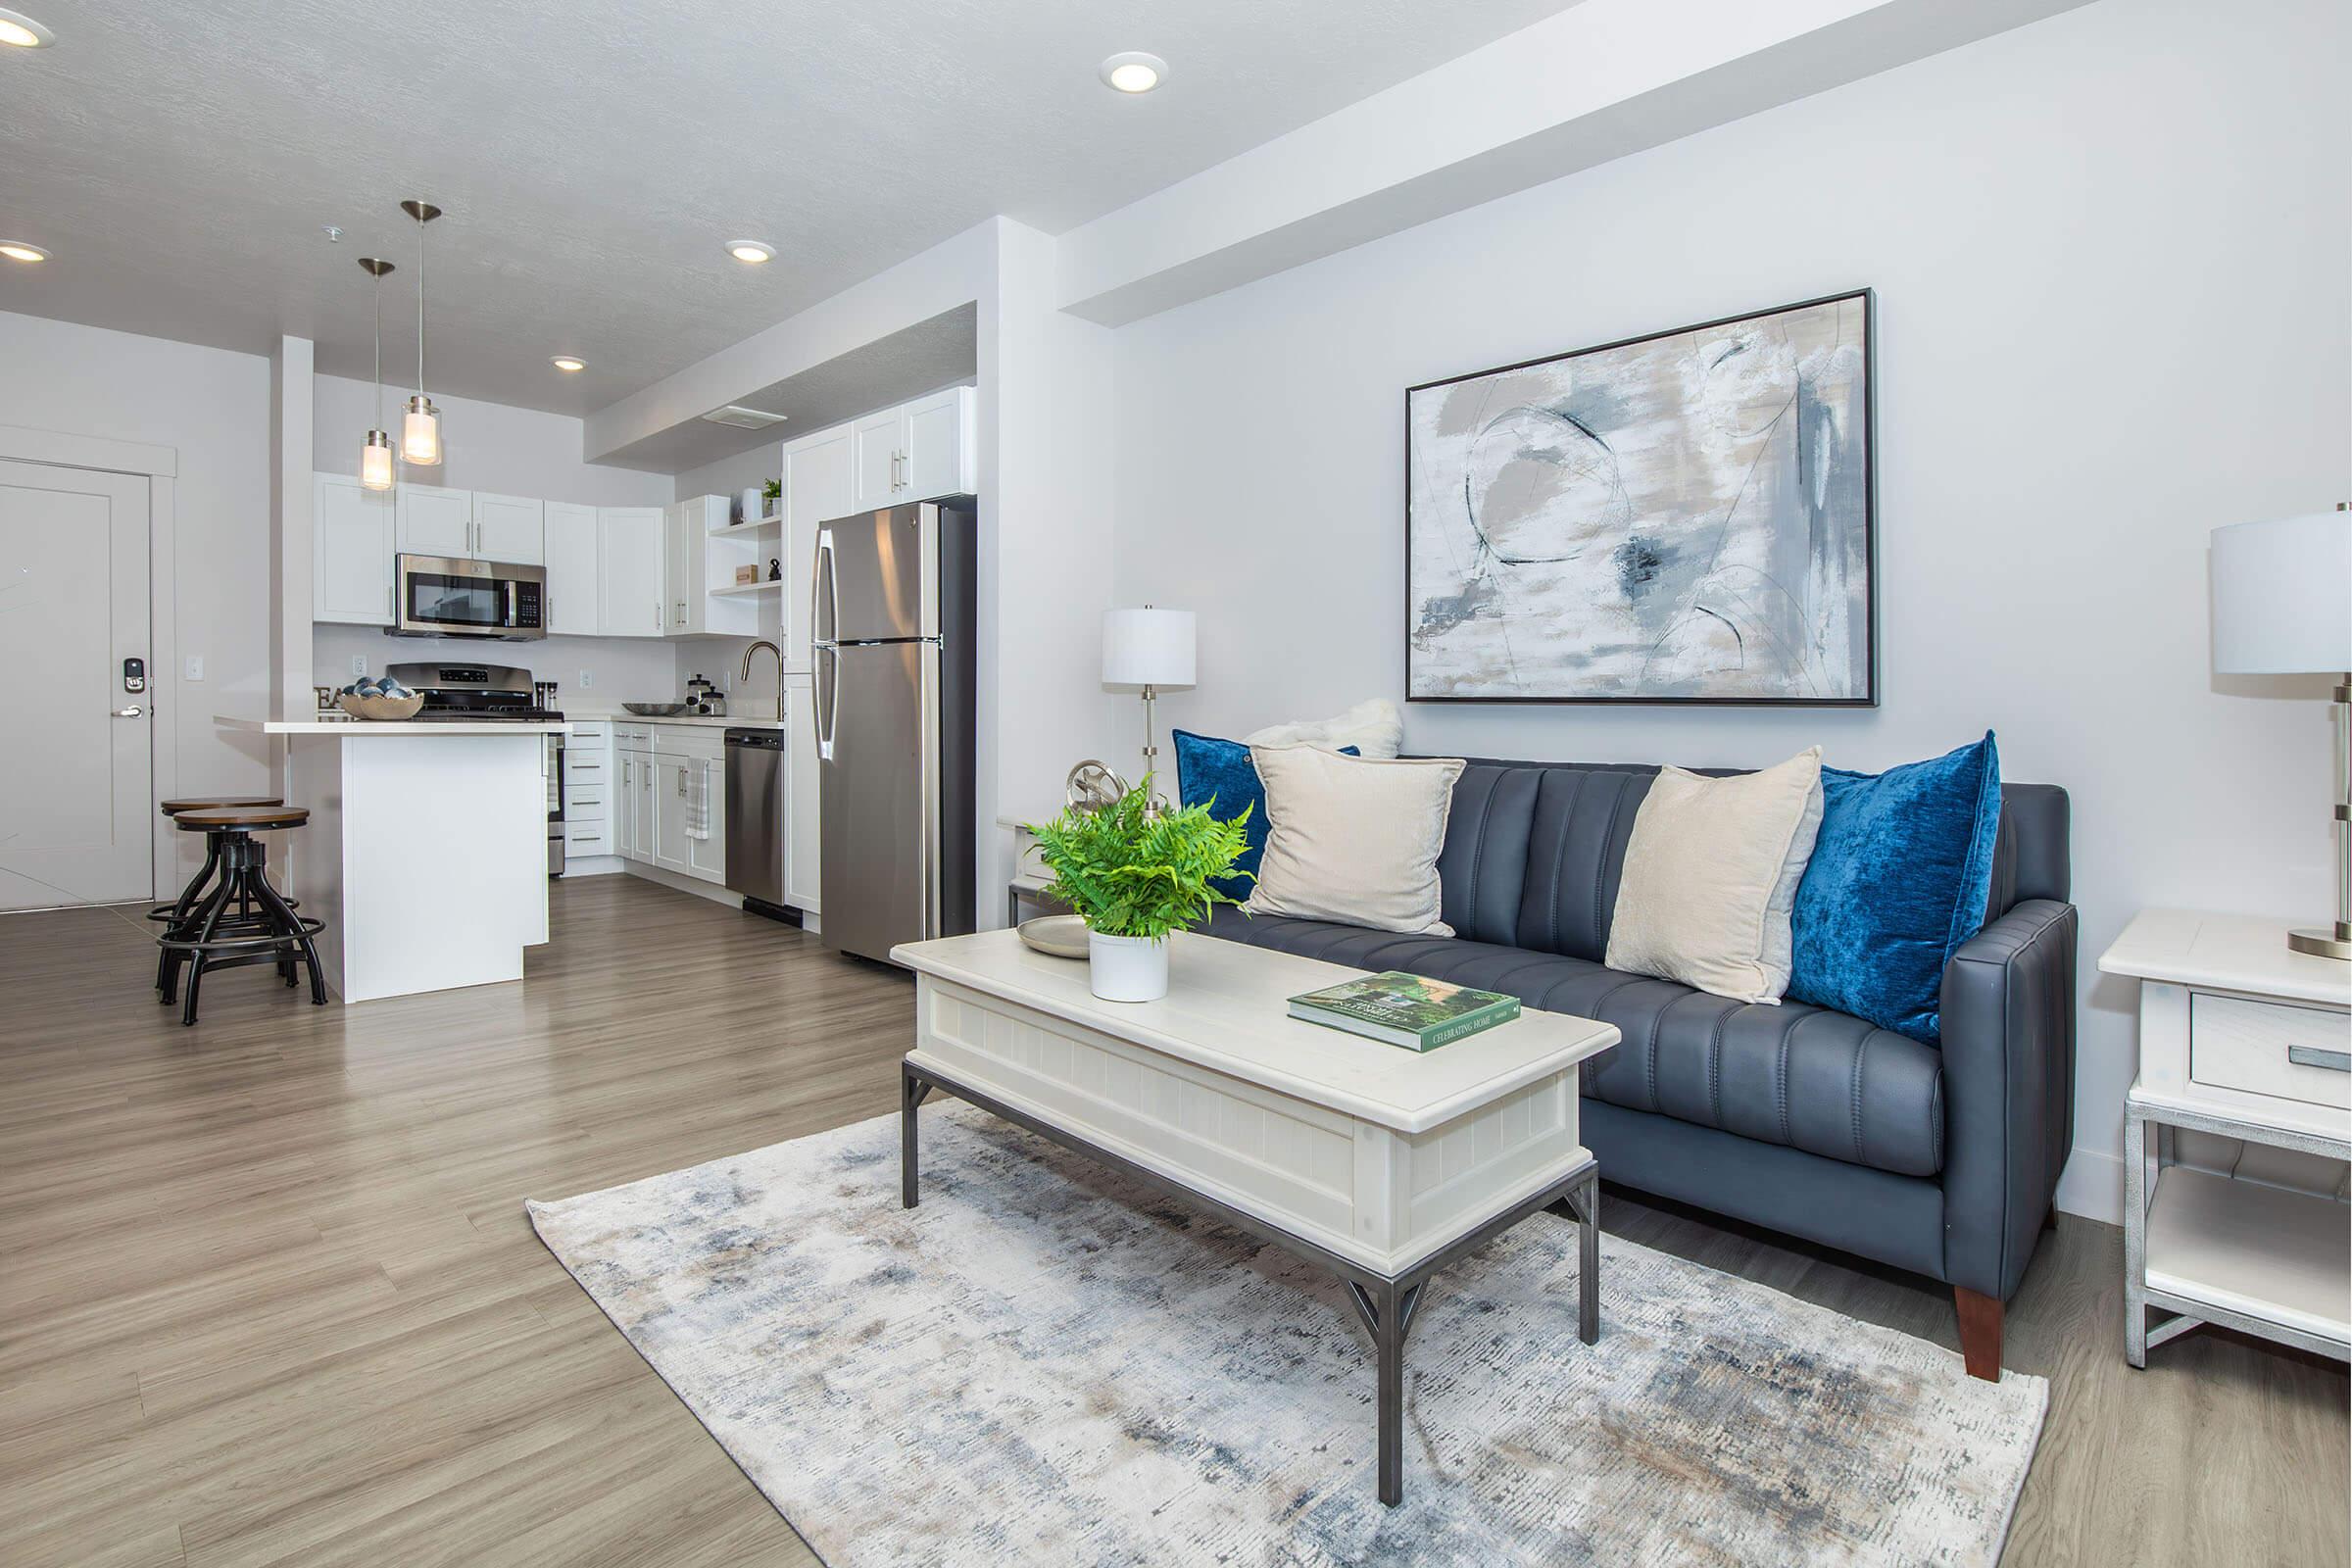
x=241 y=920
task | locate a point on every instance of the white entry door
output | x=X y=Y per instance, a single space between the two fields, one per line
x=75 y=806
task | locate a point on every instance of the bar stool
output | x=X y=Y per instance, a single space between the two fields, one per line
x=261 y=927
x=171 y=916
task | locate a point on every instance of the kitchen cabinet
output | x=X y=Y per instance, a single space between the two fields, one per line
x=818 y=486
x=589 y=779
x=918 y=451
x=803 y=827
x=630 y=572
x=351 y=552
x=434 y=522
x=672 y=785
x=632 y=808
x=687 y=562
x=574 y=595
x=510 y=528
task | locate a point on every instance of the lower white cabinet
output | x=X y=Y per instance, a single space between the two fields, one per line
x=802 y=870
x=669 y=800
x=589 y=776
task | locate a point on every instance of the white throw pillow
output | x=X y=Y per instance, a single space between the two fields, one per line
x=1372 y=727
x=1710 y=877
x=1354 y=839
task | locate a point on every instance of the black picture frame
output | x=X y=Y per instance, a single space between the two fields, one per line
x=1868 y=298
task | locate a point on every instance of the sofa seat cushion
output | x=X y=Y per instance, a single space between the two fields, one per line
x=1795 y=1075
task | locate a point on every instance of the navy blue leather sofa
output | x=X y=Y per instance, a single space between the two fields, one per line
x=1942 y=1162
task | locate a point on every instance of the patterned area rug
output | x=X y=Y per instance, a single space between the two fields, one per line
x=1046 y=1364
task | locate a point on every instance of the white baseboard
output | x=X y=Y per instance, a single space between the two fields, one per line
x=2093 y=1186
x=594 y=865
x=695 y=885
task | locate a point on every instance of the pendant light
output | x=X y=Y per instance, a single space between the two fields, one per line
x=375 y=454
x=420 y=430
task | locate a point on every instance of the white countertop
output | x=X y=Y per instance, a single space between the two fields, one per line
x=723 y=721
x=356 y=727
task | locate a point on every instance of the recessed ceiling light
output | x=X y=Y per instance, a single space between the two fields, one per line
x=19 y=30
x=567 y=361
x=16 y=249
x=1134 y=72
x=750 y=251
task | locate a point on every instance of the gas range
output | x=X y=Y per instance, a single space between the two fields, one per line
x=468 y=694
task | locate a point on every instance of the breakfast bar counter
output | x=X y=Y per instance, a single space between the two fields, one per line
x=427 y=848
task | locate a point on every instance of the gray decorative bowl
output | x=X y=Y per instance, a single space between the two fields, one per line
x=655 y=710
x=383 y=708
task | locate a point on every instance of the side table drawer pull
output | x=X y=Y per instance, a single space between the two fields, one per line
x=2313 y=1056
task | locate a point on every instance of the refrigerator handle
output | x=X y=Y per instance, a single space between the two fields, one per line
x=824 y=577
x=825 y=693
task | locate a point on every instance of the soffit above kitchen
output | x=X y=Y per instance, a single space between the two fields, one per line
x=183 y=164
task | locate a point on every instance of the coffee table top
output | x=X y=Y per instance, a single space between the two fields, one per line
x=1226 y=1009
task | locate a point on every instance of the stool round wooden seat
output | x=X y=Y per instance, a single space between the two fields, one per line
x=207 y=803
x=176 y=913
x=242 y=919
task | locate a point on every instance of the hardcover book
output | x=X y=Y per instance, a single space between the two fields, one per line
x=1406 y=1010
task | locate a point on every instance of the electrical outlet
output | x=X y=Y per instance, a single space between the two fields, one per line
x=195 y=666
x=358 y=666
x=587 y=679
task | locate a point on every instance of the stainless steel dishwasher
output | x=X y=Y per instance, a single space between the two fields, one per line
x=755 y=806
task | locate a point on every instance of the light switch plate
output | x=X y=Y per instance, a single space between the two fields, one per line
x=587 y=679
x=195 y=666
x=358 y=666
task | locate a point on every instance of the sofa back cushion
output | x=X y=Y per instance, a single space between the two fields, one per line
x=1534 y=850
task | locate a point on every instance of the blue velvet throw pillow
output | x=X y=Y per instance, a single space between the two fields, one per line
x=1898 y=880
x=1210 y=771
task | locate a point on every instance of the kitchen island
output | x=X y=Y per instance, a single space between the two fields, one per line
x=426 y=849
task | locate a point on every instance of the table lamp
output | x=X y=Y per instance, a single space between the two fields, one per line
x=2282 y=606
x=1150 y=649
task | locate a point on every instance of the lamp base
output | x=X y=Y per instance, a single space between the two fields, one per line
x=2323 y=944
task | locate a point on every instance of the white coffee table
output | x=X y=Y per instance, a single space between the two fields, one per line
x=1381 y=1165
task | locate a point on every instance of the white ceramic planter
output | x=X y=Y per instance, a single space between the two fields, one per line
x=1126 y=968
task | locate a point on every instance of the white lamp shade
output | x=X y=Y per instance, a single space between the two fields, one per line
x=421 y=434
x=1146 y=647
x=2283 y=595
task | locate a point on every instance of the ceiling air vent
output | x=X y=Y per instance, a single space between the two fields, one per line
x=743 y=418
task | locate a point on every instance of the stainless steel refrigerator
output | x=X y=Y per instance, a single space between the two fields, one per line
x=894 y=648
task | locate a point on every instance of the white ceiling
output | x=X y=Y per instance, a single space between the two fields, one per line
x=181 y=160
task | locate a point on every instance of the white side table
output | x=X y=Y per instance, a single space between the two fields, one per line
x=2243 y=1037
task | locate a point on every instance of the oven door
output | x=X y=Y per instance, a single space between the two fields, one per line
x=451 y=595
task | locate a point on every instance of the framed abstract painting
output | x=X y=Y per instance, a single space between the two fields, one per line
x=1683 y=518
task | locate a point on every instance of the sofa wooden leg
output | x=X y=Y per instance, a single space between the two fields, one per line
x=1979 y=1332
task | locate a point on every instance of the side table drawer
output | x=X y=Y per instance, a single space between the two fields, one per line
x=2271 y=1047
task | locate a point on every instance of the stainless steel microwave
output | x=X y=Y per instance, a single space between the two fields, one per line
x=454 y=595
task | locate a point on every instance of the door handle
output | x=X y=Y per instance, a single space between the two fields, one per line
x=826 y=692
x=134 y=710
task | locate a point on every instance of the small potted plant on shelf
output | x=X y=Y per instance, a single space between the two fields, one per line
x=1134 y=871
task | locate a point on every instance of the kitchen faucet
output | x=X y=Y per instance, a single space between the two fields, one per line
x=746 y=671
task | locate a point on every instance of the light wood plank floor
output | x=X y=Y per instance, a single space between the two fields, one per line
x=268 y=1294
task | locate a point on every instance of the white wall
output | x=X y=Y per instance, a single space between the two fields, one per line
x=2113 y=253
x=507 y=451
x=213 y=407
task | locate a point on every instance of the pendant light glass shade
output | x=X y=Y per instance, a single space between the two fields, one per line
x=421 y=430
x=421 y=434
x=376 y=462
x=375 y=453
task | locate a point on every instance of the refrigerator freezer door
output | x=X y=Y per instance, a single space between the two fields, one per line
x=877 y=577
x=878 y=791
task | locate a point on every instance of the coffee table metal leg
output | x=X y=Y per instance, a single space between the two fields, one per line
x=1587 y=1259
x=912 y=1091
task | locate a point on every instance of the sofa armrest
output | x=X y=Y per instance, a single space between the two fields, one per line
x=2008 y=1008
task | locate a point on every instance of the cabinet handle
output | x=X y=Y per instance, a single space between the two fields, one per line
x=2313 y=1056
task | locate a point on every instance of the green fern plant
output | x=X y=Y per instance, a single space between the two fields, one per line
x=1131 y=871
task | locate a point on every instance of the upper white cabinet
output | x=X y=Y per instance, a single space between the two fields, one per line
x=434 y=522
x=697 y=582
x=510 y=529
x=918 y=451
x=629 y=584
x=574 y=580
x=351 y=552
x=940 y=437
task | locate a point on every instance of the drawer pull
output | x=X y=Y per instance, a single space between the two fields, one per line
x=2314 y=1057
